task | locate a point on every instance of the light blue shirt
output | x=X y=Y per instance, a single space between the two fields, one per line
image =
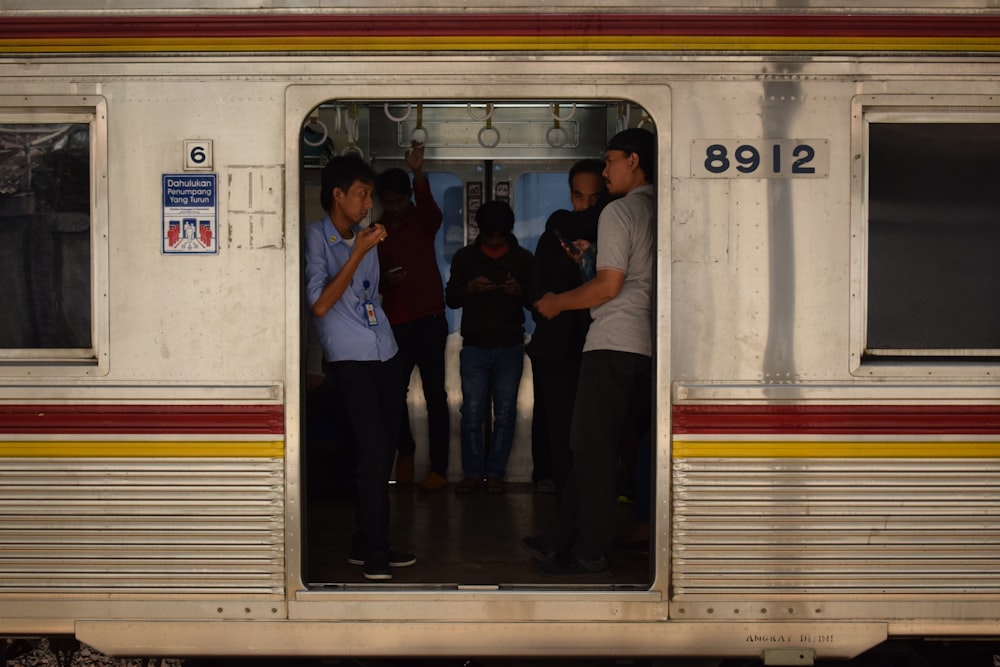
x=344 y=331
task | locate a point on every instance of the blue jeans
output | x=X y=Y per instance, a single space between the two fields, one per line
x=486 y=369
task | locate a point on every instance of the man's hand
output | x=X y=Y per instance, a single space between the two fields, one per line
x=481 y=284
x=547 y=306
x=415 y=157
x=369 y=238
x=511 y=287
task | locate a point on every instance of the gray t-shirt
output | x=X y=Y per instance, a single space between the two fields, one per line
x=625 y=243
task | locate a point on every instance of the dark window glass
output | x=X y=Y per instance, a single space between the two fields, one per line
x=934 y=237
x=45 y=253
x=538 y=195
x=448 y=192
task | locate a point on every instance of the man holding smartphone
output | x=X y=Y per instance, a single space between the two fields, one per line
x=557 y=344
x=489 y=281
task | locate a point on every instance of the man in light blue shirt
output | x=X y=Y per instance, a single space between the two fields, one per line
x=342 y=276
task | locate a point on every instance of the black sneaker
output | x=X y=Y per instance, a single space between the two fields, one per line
x=394 y=559
x=538 y=550
x=377 y=567
x=573 y=567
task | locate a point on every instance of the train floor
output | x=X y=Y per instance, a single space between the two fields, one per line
x=460 y=541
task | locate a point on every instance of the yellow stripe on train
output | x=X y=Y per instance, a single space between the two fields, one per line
x=700 y=449
x=142 y=449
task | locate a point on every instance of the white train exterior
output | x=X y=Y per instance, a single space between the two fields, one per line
x=823 y=481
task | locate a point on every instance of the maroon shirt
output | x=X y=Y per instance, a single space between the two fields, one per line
x=410 y=245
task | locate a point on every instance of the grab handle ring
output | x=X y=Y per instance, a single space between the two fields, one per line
x=556 y=136
x=624 y=111
x=482 y=136
x=352 y=132
x=352 y=149
x=338 y=118
x=314 y=121
x=554 y=110
x=487 y=116
x=398 y=119
x=419 y=134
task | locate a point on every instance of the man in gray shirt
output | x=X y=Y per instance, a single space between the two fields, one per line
x=616 y=372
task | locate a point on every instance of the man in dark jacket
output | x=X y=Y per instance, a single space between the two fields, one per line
x=557 y=345
x=489 y=281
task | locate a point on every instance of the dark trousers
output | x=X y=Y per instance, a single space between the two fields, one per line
x=541 y=462
x=555 y=392
x=371 y=392
x=613 y=397
x=421 y=345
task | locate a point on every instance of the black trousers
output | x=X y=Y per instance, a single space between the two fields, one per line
x=421 y=345
x=555 y=393
x=613 y=398
x=371 y=394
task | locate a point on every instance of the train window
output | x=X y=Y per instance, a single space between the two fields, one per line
x=933 y=240
x=538 y=195
x=47 y=204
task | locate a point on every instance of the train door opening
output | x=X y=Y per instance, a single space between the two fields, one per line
x=473 y=153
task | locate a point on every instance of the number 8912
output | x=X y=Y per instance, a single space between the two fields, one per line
x=776 y=158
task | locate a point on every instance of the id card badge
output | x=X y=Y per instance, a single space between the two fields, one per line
x=369 y=307
x=370 y=313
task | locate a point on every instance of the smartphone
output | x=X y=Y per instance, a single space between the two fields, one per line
x=572 y=249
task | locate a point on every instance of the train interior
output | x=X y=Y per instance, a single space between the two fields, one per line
x=475 y=152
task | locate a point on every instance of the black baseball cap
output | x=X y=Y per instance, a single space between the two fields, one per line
x=635 y=140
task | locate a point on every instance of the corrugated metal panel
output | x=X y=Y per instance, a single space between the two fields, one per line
x=777 y=526
x=150 y=526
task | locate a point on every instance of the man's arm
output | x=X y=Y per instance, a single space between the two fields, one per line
x=428 y=211
x=605 y=286
x=335 y=287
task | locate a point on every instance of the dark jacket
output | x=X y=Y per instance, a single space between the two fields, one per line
x=495 y=318
x=561 y=338
x=410 y=246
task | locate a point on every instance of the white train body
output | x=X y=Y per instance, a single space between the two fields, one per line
x=815 y=493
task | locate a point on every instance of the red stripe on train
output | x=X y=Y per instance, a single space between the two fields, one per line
x=837 y=419
x=143 y=419
x=470 y=24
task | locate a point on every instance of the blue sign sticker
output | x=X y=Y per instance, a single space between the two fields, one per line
x=190 y=214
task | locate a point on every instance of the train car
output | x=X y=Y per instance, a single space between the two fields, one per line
x=826 y=438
